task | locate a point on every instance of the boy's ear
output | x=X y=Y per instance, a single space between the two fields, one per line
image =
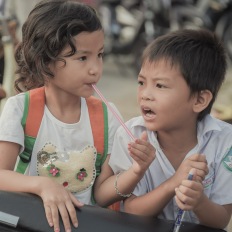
x=203 y=99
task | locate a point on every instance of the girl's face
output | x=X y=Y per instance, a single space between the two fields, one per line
x=164 y=97
x=82 y=69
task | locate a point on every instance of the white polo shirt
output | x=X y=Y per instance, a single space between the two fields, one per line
x=214 y=141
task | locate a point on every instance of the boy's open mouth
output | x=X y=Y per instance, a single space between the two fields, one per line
x=148 y=112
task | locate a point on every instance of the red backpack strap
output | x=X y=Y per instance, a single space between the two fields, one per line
x=96 y=116
x=35 y=111
x=32 y=117
x=99 y=124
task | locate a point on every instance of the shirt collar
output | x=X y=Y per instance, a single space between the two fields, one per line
x=206 y=126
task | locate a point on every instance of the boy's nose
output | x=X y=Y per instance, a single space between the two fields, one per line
x=147 y=96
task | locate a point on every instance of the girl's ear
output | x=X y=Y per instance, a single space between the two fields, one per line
x=203 y=99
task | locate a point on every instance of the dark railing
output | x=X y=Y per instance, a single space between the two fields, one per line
x=29 y=212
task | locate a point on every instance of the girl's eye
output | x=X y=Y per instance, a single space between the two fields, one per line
x=83 y=58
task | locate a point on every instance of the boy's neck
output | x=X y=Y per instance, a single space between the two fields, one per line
x=176 y=145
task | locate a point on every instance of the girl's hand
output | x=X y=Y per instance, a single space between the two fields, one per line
x=196 y=161
x=142 y=152
x=57 y=200
x=189 y=194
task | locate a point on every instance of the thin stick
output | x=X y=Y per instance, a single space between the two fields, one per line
x=113 y=112
x=181 y=212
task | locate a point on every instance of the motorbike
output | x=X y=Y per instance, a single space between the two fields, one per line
x=214 y=15
x=129 y=25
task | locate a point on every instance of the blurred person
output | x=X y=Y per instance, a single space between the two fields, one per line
x=19 y=9
x=11 y=26
x=57 y=62
x=178 y=82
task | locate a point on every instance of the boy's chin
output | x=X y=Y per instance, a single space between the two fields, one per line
x=150 y=126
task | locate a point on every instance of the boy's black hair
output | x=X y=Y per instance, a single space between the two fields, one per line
x=49 y=28
x=198 y=54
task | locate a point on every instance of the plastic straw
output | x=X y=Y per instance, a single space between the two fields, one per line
x=113 y=111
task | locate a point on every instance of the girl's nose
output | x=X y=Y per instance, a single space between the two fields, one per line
x=92 y=71
x=95 y=68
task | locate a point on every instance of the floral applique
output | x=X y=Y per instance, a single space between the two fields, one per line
x=65 y=184
x=53 y=170
x=82 y=174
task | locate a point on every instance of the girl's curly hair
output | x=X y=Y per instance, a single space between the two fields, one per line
x=49 y=28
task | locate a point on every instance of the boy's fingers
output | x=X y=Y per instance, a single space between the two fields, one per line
x=144 y=136
x=198 y=157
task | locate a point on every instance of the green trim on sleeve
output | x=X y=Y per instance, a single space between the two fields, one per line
x=102 y=157
x=106 y=132
x=25 y=156
x=26 y=106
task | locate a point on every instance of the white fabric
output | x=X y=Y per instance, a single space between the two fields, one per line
x=66 y=137
x=214 y=141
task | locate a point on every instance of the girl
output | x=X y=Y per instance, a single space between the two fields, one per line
x=61 y=51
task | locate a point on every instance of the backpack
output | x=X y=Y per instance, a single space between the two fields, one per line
x=32 y=117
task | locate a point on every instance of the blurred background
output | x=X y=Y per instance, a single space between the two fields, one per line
x=129 y=26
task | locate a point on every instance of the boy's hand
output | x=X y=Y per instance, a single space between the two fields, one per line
x=142 y=152
x=57 y=200
x=189 y=194
x=196 y=161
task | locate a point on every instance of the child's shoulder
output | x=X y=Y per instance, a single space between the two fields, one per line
x=135 y=121
x=222 y=132
x=17 y=99
x=224 y=126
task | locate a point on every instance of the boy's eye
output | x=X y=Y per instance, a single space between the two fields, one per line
x=101 y=55
x=160 y=86
x=140 y=83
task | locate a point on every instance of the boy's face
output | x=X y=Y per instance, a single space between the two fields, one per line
x=164 y=97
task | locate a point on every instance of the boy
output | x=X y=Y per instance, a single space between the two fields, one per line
x=179 y=80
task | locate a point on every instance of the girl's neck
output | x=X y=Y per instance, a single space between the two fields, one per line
x=65 y=109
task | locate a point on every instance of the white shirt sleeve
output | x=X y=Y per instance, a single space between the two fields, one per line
x=120 y=159
x=113 y=125
x=11 y=129
x=221 y=189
